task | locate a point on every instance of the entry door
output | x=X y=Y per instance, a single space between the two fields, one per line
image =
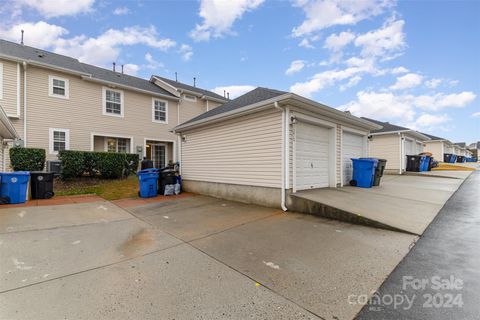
x=158 y=155
x=311 y=156
x=353 y=146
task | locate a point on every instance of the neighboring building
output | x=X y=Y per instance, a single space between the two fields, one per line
x=265 y=142
x=394 y=143
x=460 y=148
x=474 y=148
x=56 y=102
x=7 y=132
x=438 y=146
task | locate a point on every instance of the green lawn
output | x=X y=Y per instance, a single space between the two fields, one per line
x=107 y=189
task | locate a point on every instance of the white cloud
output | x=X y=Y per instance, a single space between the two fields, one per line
x=428 y=121
x=386 y=42
x=381 y=105
x=295 y=66
x=40 y=34
x=106 y=47
x=219 y=16
x=186 y=52
x=120 y=11
x=433 y=83
x=131 y=69
x=152 y=63
x=234 y=91
x=305 y=43
x=351 y=83
x=336 y=42
x=475 y=114
x=57 y=8
x=388 y=106
x=441 y=101
x=407 y=81
x=399 y=70
x=321 y=14
x=356 y=67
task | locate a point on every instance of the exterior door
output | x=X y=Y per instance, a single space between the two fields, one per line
x=158 y=155
x=353 y=146
x=311 y=156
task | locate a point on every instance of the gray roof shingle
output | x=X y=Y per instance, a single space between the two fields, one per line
x=57 y=60
x=256 y=95
x=184 y=86
x=387 y=127
x=461 y=144
x=434 y=137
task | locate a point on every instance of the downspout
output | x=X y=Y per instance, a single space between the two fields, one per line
x=178 y=111
x=282 y=203
x=24 y=104
x=401 y=152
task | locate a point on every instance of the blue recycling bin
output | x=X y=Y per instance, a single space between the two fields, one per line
x=424 y=163
x=148 y=182
x=363 y=172
x=14 y=185
x=453 y=158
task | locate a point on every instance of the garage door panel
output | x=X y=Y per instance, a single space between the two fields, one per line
x=352 y=147
x=312 y=156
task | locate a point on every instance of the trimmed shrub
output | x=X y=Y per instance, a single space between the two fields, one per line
x=27 y=159
x=73 y=163
x=104 y=164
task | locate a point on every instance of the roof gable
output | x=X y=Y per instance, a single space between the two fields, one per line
x=256 y=95
x=184 y=86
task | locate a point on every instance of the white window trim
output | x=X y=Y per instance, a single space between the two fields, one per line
x=108 y=135
x=153 y=111
x=104 y=103
x=50 y=87
x=1 y=81
x=50 y=139
x=189 y=99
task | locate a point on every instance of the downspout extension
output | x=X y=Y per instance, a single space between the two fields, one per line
x=282 y=203
x=24 y=104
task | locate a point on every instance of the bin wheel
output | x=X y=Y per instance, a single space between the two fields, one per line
x=353 y=183
x=4 y=200
x=48 y=194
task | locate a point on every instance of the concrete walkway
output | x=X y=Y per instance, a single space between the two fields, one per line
x=448 y=250
x=190 y=258
x=405 y=203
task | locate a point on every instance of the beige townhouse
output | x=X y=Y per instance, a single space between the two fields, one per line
x=55 y=102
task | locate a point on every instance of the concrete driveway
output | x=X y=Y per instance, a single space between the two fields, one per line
x=192 y=258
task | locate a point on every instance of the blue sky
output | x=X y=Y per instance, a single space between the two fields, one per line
x=412 y=63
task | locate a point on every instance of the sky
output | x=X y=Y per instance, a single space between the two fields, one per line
x=411 y=63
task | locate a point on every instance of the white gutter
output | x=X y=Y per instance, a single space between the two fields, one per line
x=282 y=203
x=24 y=104
x=7 y=123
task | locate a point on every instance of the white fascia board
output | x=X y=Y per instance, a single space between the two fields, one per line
x=230 y=114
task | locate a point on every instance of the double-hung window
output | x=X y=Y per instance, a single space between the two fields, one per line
x=59 y=139
x=58 y=87
x=159 y=111
x=112 y=102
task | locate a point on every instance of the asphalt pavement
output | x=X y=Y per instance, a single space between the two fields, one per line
x=440 y=277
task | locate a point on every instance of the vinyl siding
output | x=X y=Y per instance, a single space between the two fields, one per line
x=244 y=151
x=189 y=109
x=386 y=147
x=338 y=155
x=9 y=101
x=435 y=147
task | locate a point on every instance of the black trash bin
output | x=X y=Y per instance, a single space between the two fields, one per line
x=41 y=185
x=146 y=164
x=447 y=157
x=460 y=159
x=413 y=163
x=379 y=171
x=167 y=176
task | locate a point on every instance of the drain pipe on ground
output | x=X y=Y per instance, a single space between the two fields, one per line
x=282 y=204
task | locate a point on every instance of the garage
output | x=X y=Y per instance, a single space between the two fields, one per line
x=353 y=146
x=312 y=156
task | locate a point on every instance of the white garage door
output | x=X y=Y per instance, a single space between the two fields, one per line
x=312 y=156
x=352 y=147
x=419 y=147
